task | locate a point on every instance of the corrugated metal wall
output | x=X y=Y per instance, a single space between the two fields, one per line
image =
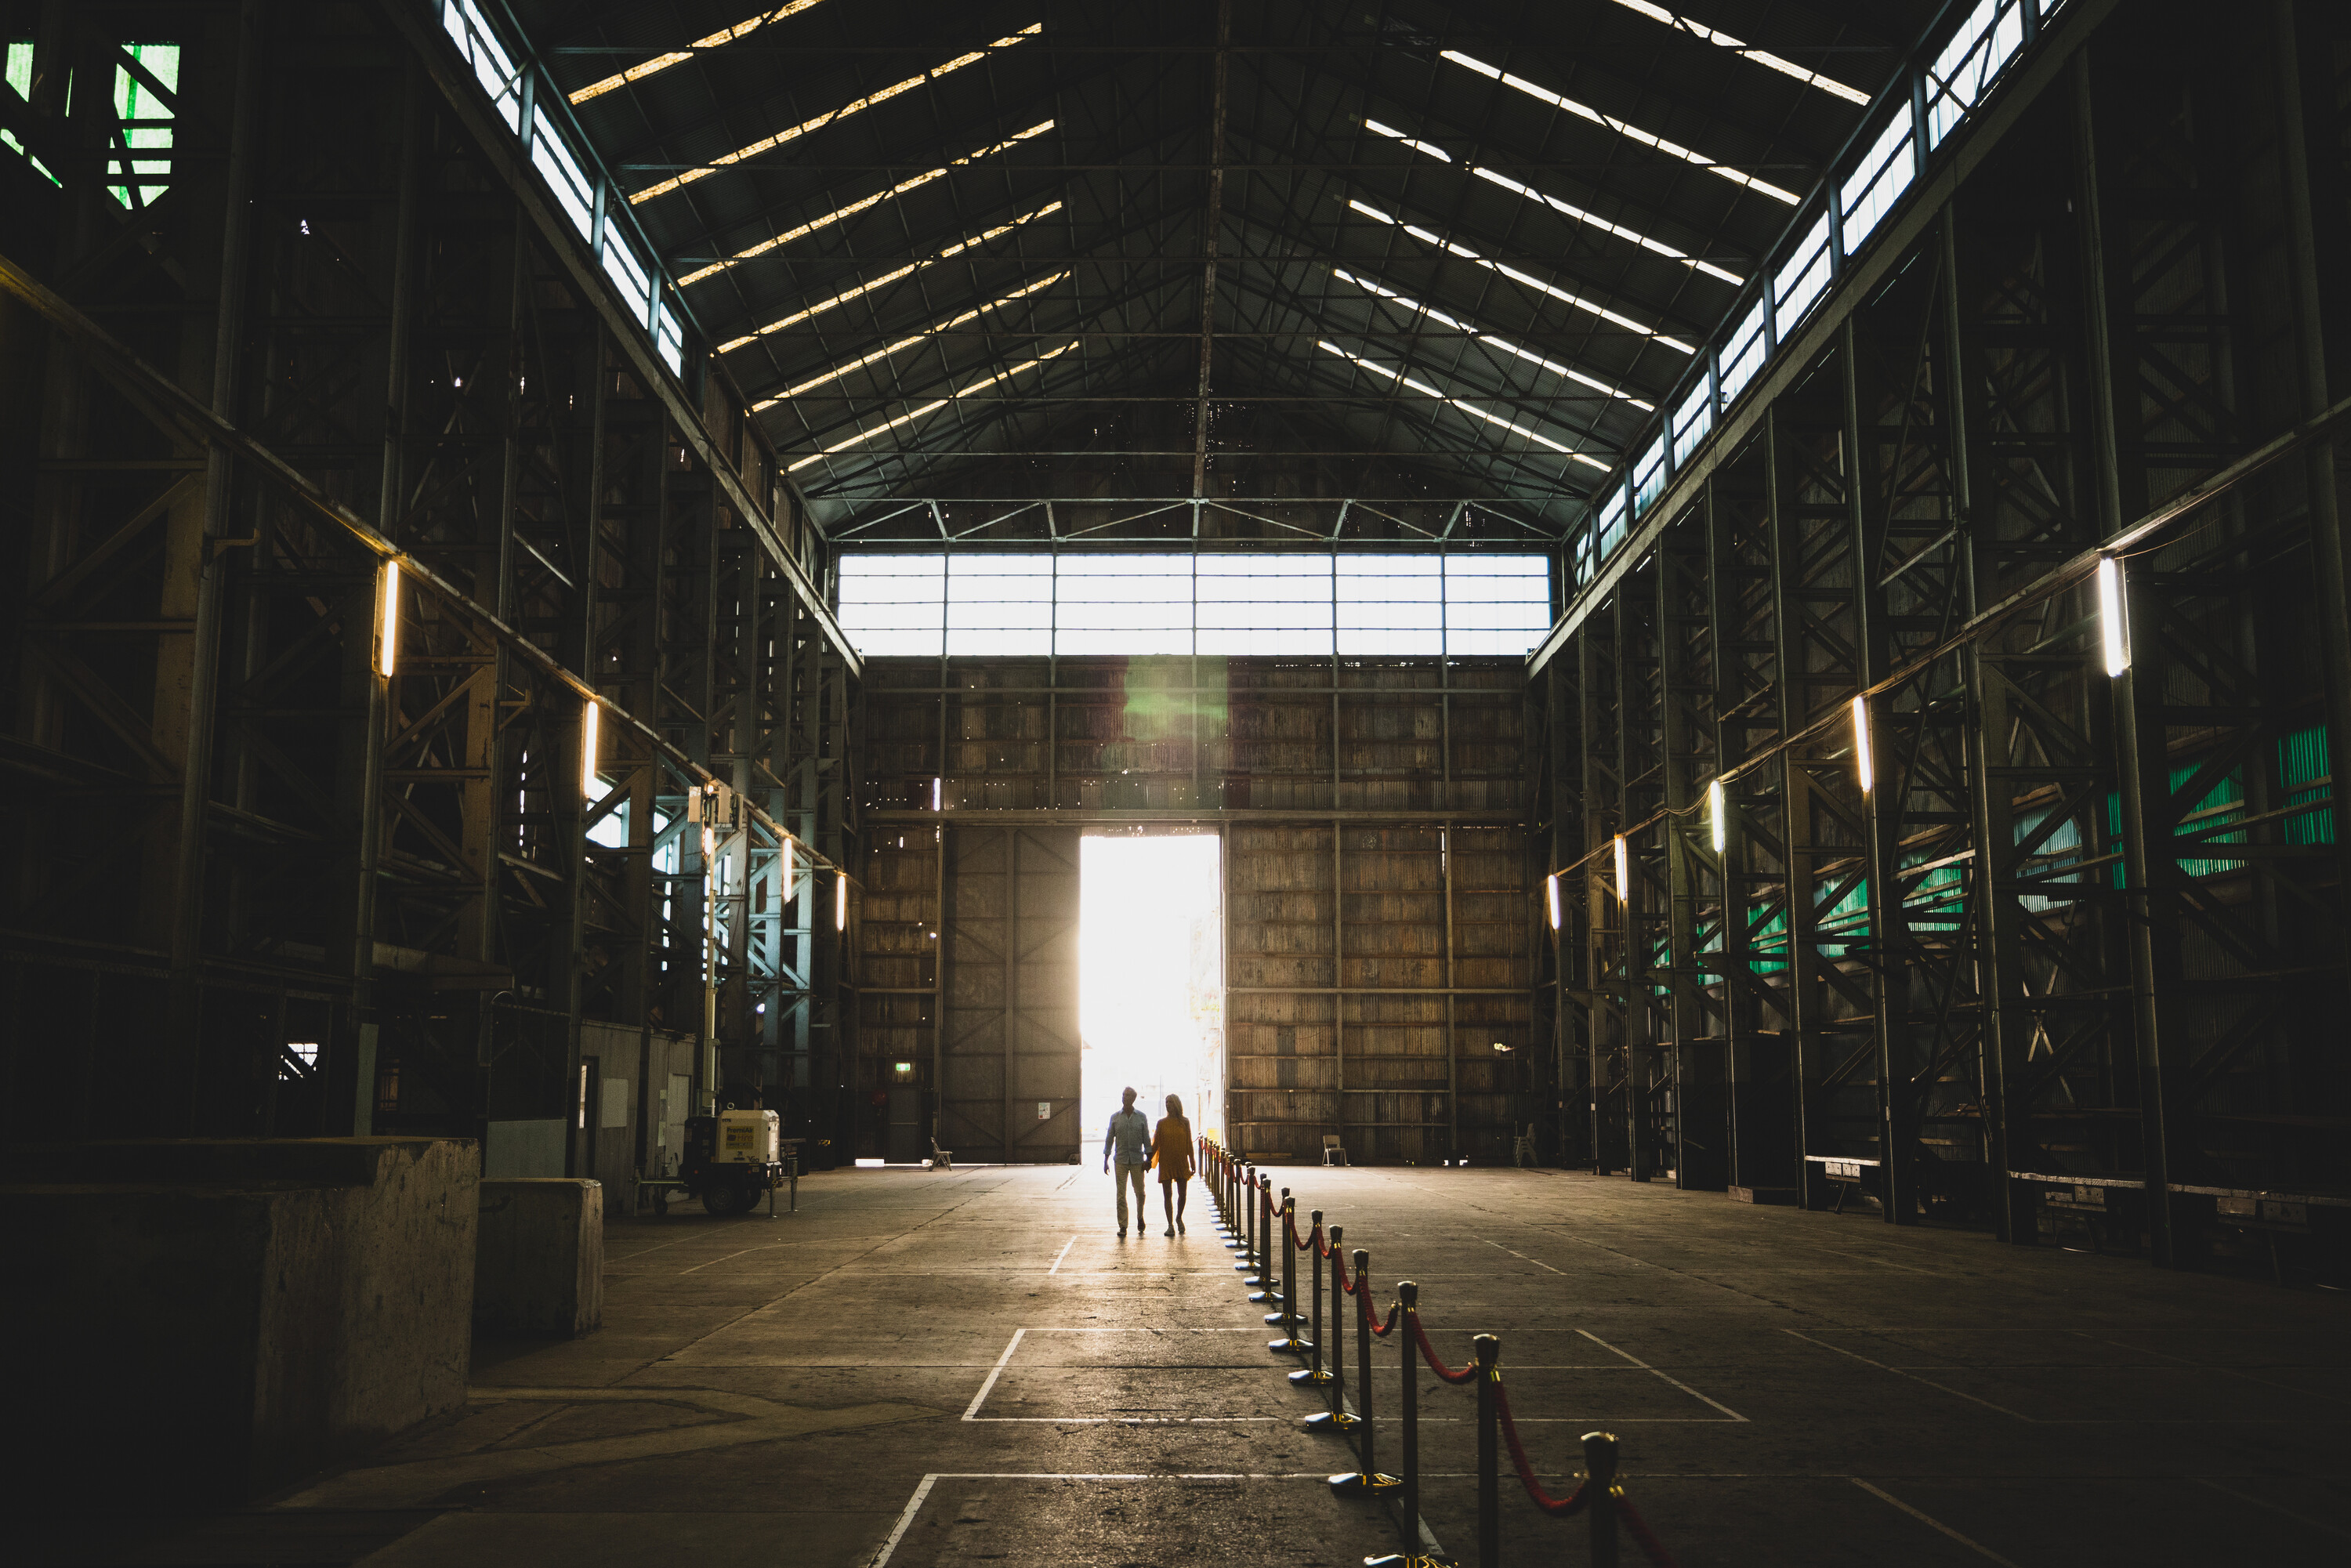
x=1381 y=915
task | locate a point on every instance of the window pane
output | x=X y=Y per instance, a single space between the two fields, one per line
x=1265 y=604
x=1123 y=604
x=492 y=67
x=1496 y=604
x=1000 y=604
x=551 y=157
x=894 y=604
x=621 y=265
x=1745 y=355
x=1885 y=172
x=1802 y=280
x=1391 y=605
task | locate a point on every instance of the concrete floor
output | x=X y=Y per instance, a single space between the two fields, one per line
x=923 y=1369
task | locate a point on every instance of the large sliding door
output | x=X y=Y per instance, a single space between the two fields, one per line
x=1008 y=1062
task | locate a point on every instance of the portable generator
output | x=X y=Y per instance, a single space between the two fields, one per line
x=731 y=1158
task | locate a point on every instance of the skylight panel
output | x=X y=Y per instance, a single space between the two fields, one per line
x=906 y=343
x=1390 y=605
x=1537 y=437
x=1496 y=604
x=999 y=605
x=1568 y=209
x=895 y=605
x=1491 y=341
x=1764 y=57
x=669 y=339
x=832 y=116
x=931 y=407
x=859 y=205
x=1273 y=603
x=822 y=306
x=1970 y=63
x=1515 y=275
x=677 y=56
x=1121 y=603
x=1671 y=148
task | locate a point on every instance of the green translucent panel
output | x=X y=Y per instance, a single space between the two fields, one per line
x=146 y=118
x=2303 y=768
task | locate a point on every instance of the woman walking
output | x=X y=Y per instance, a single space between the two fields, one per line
x=1171 y=1150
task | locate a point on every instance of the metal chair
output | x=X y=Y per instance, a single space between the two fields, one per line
x=1522 y=1147
x=1333 y=1152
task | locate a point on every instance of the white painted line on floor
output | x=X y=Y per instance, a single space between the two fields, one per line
x=915 y=1503
x=2302 y=1518
x=1979 y=1548
x=720 y=1259
x=972 y=1411
x=913 y=1506
x=1119 y=1420
x=1653 y=1372
x=1064 y=1253
x=1916 y=1378
x=1524 y=1259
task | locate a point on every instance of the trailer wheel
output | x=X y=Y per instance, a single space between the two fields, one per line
x=723 y=1198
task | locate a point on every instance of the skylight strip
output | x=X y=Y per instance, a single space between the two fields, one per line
x=861 y=204
x=831 y=115
x=1555 y=204
x=1512 y=273
x=821 y=307
x=1488 y=339
x=932 y=407
x=1765 y=58
x=1673 y=149
x=662 y=62
x=906 y=342
x=1470 y=409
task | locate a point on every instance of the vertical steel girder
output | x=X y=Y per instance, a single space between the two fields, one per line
x=2079 y=926
x=405 y=874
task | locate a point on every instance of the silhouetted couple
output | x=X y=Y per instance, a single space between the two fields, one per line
x=1135 y=1146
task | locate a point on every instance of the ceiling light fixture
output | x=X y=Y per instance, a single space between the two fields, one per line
x=1475 y=413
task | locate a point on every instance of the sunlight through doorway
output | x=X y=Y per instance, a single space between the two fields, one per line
x=1151 y=982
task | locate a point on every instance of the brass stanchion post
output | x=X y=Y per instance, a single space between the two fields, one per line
x=1368 y=1481
x=1312 y=1375
x=1337 y=1418
x=1489 y=1489
x=1599 y=1504
x=1289 y=1343
x=1409 y=1400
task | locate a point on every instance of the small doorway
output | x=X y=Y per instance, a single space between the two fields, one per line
x=1151 y=980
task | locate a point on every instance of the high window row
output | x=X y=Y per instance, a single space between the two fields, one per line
x=1299 y=604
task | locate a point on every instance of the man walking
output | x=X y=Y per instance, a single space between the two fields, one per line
x=1129 y=1143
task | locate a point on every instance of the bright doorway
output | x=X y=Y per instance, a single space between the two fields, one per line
x=1151 y=980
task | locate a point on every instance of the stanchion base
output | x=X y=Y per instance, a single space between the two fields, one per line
x=1306 y=1377
x=1398 y=1560
x=1246 y=1266
x=1272 y=1319
x=1355 y=1484
x=1339 y=1421
x=1289 y=1346
x=1261 y=1297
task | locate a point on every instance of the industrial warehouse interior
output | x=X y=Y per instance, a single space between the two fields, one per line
x=1663 y=677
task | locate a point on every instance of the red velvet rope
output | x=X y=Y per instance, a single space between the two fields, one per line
x=1380 y=1330
x=1557 y=1507
x=1339 y=1280
x=1436 y=1362
x=1651 y=1547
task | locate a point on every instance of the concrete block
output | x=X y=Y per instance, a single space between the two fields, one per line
x=539 y=1260
x=219 y=1317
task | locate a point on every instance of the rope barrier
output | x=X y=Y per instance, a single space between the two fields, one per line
x=1651 y=1547
x=1436 y=1362
x=1557 y=1507
x=1599 y=1498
